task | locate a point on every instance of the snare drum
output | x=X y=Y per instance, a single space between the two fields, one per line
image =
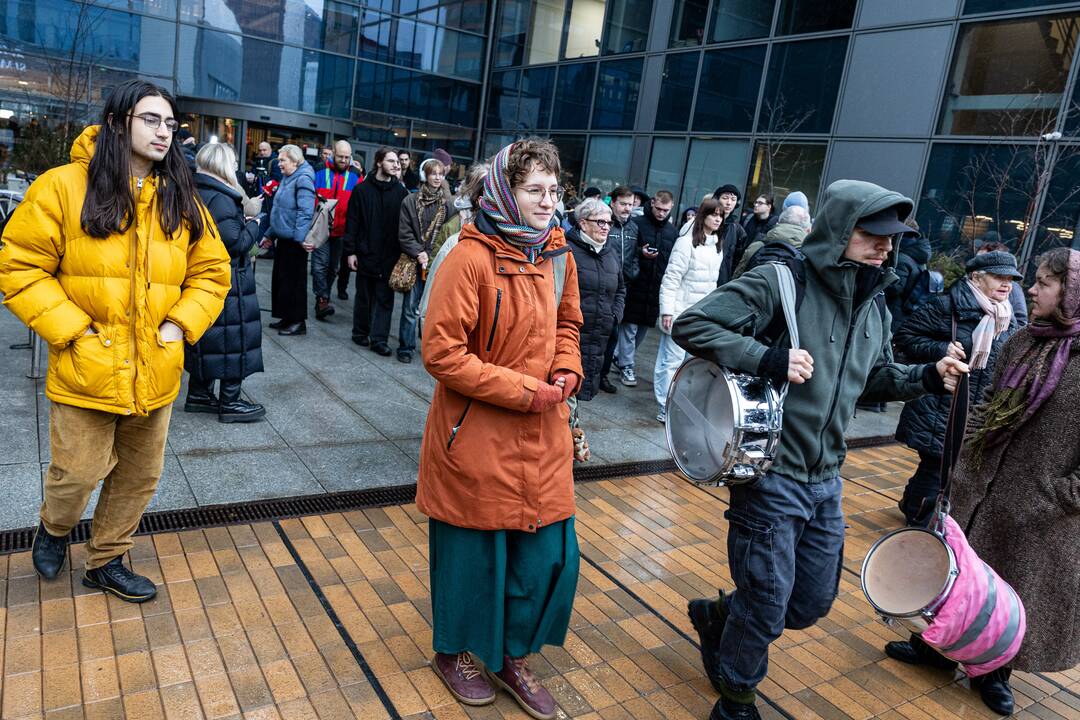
x=722 y=427
x=907 y=576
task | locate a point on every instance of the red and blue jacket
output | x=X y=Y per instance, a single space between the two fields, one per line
x=329 y=183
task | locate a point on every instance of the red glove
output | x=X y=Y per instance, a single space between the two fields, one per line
x=571 y=382
x=546 y=397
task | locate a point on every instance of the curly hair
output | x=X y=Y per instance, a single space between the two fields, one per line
x=1056 y=264
x=529 y=154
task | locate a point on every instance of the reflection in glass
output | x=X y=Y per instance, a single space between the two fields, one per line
x=609 y=162
x=688 y=22
x=455 y=140
x=617 y=94
x=1008 y=77
x=583 y=32
x=398 y=91
x=502 y=108
x=740 y=19
x=573 y=96
x=511 y=27
x=801 y=89
x=537 y=88
x=1060 y=222
x=804 y=16
x=781 y=168
x=572 y=157
x=627 y=28
x=677 y=91
x=493 y=143
x=666 y=168
x=102 y=36
x=323 y=24
x=981 y=6
x=547 y=29
x=728 y=92
x=976 y=193
x=710 y=164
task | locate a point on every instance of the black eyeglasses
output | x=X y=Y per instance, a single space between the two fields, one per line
x=153 y=121
x=600 y=223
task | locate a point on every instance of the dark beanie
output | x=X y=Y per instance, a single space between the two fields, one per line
x=729 y=188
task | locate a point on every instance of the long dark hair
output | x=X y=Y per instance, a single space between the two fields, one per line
x=707 y=207
x=1056 y=262
x=109 y=207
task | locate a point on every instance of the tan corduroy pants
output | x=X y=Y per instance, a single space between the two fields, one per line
x=89 y=446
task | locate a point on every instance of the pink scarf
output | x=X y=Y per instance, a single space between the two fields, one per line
x=996 y=319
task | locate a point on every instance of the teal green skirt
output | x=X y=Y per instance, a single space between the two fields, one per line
x=501 y=592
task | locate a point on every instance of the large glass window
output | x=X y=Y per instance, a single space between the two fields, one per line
x=101 y=36
x=326 y=25
x=585 y=28
x=975 y=193
x=728 y=91
x=710 y=164
x=493 y=143
x=803 y=16
x=677 y=91
x=740 y=19
x=609 y=162
x=573 y=96
x=1008 y=77
x=666 y=166
x=780 y=168
x=800 y=92
x=511 y=27
x=627 y=27
x=981 y=6
x=617 y=95
x=397 y=91
x=455 y=140
x=571 y=157
x=1060 y=223
x=461 y=14
x=421 y=46
x=502 y=110
x=688 y=22
x=230 y=67
x=537 y=87
x=547 y=30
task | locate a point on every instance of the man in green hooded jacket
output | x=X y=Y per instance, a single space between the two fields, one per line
x=786 y=530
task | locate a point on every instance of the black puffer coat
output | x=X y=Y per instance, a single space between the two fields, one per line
x=603 y=295
x=371 y=225
x=643 y=292
x=924 y=337
x=232 y=348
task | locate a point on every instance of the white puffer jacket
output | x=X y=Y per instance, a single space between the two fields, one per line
x=691 y=274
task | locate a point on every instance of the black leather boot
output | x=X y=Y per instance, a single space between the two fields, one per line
x=236 y=410
x=200 y=396
x=995 y=691
x=708 y=618
x=48 y=553
x=915 y=651
x=297 y=328
x=117 y=579
x=725 y=709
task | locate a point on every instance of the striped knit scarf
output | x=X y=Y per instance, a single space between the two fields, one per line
x=499 y=205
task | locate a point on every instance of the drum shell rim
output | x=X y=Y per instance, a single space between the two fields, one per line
x=772 y=398
x=930 y=609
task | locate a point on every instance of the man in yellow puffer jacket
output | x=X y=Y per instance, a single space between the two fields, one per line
x=114 y=262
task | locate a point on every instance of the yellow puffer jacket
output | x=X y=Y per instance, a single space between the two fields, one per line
x=61 y=282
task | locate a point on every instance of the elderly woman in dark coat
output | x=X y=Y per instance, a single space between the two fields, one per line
x=1016 y=486
x=984 y=317
x=600 y=281
x=231 y=349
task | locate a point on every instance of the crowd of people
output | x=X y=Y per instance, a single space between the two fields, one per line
x=133 y=262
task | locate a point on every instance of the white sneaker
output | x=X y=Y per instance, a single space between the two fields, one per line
x=662 y=415
x=628 y=378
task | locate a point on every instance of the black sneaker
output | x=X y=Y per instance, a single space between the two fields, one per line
x=361 y=340
x=404 y=358
x=708 y=618
x=381 y=348
x=117 y=579
x=342 y=294
x=606 y=385
x=48 y=553
x=725 y=709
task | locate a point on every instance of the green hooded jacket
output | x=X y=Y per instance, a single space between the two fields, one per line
x=840 y=325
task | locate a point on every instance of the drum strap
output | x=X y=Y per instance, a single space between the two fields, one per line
x=954 y=434
x=786 y=282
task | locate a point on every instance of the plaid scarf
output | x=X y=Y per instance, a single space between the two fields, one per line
x=499 y=205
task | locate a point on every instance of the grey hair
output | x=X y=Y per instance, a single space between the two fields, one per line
x=589 y=207
x=218 y=160
x=795 y=215
x=293 y=153
x=473 y=187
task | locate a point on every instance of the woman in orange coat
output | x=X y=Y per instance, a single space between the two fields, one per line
x=496 y=461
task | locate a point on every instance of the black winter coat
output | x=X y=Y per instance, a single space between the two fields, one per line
x=603 y=294
x=371 y=225
x=924 y=337
x=756 y=230
x=643 y=292
x=914 y=255
x=232 y=348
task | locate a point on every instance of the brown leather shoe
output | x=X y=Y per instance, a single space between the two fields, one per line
x=517 y=679
x=464 y=678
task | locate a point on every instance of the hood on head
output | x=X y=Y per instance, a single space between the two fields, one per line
x=82 y=150
x=841 y=206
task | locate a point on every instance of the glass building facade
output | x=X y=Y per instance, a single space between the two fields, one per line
x=971 y=107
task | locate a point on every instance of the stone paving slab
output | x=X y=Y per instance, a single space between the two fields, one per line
x=339 y=417
x=330 y=617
